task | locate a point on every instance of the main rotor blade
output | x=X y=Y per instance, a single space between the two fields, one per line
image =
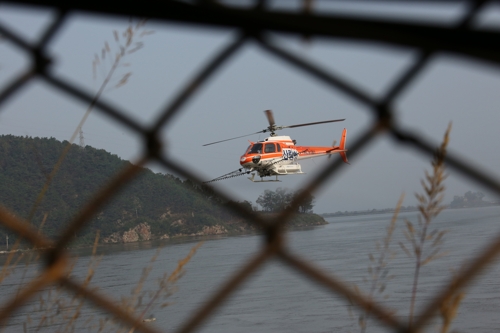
x=316 y=123
x=212 y=143
x=270 y=117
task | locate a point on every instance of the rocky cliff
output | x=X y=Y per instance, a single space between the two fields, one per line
x=182 y=228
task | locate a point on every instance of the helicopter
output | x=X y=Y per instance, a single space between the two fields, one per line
x=279 y=155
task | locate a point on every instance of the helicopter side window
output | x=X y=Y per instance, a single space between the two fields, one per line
x=279 y=147
x=256 y=149
x=270 y=148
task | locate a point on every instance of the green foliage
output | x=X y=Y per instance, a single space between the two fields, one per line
x=470 y=199
x=274 y=201
x=157 y=199
x=306 y=206
x=306 y=220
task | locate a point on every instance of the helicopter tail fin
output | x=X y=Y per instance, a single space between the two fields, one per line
x=342 y=146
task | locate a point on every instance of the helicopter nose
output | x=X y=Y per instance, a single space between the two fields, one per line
x=244 y=160
x=256 y=159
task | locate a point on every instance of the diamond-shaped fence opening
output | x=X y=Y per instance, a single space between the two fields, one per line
x=258 y=23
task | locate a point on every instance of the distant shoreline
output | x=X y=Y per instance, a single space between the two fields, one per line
x=367 y=212
x=391 y=210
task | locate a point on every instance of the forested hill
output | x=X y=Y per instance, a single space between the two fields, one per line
x=153 y=206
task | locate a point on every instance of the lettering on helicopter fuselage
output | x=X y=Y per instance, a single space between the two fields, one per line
x=290 y=154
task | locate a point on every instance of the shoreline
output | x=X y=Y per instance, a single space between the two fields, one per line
x=175 y=239
x=391 y=210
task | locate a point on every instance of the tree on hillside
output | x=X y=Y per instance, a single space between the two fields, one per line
x=306 y=206
x=273 y=201
x=474 y=196
x=470 y=199
x=266 y=201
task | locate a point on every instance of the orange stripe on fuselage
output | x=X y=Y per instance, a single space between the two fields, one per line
x=304 y=152
x=312 y=151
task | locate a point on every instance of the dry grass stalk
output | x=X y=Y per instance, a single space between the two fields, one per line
x=77 y=302
x=124 y=46
x=378 y=270
x=14 y=257
x=449 y=308
x=11 y=263
x=429 y=205
x=141 y=301
x=53 y=303
x=424 y=245
x=166 y=284
x=55 y=307
x=31 y=256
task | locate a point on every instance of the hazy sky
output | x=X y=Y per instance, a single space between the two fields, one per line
x=451 y=88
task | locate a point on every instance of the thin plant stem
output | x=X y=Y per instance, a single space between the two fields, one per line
x=377 y=274
x=430 y=205
x=124 y=50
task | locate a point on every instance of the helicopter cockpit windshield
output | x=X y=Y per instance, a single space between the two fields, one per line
x=256 y=149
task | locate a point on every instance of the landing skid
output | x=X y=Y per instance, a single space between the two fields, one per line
x=262 y=180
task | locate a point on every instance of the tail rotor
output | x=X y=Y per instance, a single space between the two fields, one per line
x=342 y=147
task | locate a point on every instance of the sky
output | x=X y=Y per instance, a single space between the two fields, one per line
x=450 y=89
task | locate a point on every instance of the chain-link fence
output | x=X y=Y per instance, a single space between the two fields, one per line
x=255 y=23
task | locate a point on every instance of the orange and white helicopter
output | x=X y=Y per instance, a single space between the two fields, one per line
x=278 y=155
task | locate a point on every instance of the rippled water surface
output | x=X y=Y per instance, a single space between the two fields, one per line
x=277 y=298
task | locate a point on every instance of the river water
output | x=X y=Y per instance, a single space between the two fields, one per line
x=276 y=298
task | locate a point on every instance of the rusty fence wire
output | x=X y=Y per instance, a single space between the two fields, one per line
x=255 y=23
